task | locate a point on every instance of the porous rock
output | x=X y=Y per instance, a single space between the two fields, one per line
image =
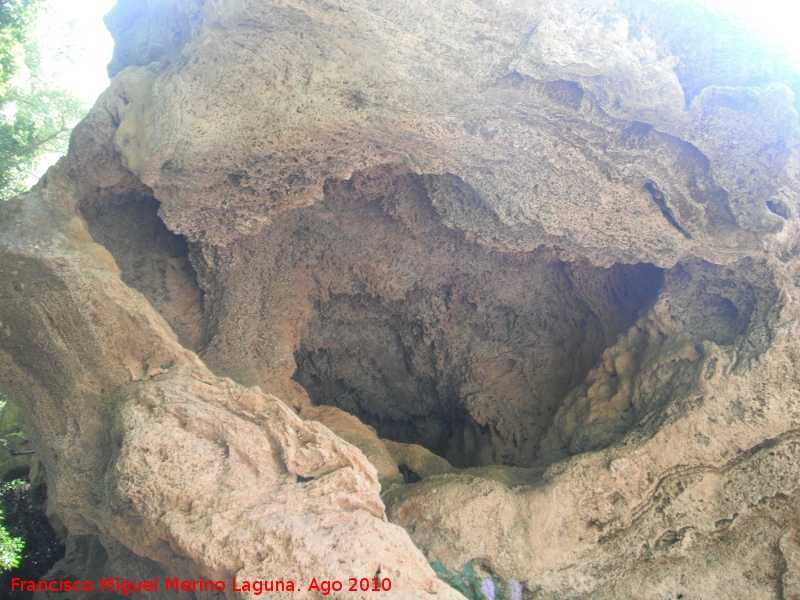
x=546 y=251
x=144 y=448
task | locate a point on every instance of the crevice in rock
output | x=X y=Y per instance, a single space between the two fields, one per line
x=152 y=259
x=778 y=208
x=409 y=476
x=661 y=203
x=649 y=377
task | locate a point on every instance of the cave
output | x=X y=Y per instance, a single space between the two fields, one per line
x=376 y=305
x=350 y=289
x=152 y=259
x=471 y=375
x=431 y=337
x=441 y=341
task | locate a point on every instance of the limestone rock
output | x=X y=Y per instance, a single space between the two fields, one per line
x=363 y=437
x=142 y=446
x=417 y=461
x=545 y=255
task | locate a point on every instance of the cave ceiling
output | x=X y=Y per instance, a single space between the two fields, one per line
x=314 y=273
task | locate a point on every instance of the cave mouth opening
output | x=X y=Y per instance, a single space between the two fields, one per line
x=412 y=326
x=473 y=369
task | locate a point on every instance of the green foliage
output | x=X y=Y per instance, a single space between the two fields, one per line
x=467 y=582
x=17 y=18
x=35 y=116
x=25 y=521
x=11 y=430
x=475 y=587
x=10 y=548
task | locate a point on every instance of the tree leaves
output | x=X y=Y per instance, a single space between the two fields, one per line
x=35 y=116
x=10 y=548
x=17 y=18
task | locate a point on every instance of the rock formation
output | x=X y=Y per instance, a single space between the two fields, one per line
x=326 y=289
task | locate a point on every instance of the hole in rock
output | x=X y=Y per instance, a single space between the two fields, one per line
x=778 y=208
x=17 y=473
x=472 y=370
x=436 y=340
x=23 y=517
x=409 y=476
x=152 y=260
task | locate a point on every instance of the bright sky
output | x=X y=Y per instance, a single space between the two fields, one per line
x=76 y=46
x=778 y=20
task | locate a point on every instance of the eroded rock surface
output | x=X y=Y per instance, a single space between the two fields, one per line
x=144 y=448
x=536 y=262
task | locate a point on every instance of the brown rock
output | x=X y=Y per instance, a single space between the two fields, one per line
x=546 y=251
x=142 y=446
x=363 y=437
x=420 y=463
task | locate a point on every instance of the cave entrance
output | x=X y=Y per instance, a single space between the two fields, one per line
x=474 y=368
x=412 y=325
x=434 y=337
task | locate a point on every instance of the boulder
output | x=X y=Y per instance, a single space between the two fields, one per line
x=533 y=267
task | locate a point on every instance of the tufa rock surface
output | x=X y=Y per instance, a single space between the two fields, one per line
x=331 y=289
x=175 y=471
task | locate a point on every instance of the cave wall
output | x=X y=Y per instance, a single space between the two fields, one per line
x=413 y=326
x=544 y=254
x=151 y=259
